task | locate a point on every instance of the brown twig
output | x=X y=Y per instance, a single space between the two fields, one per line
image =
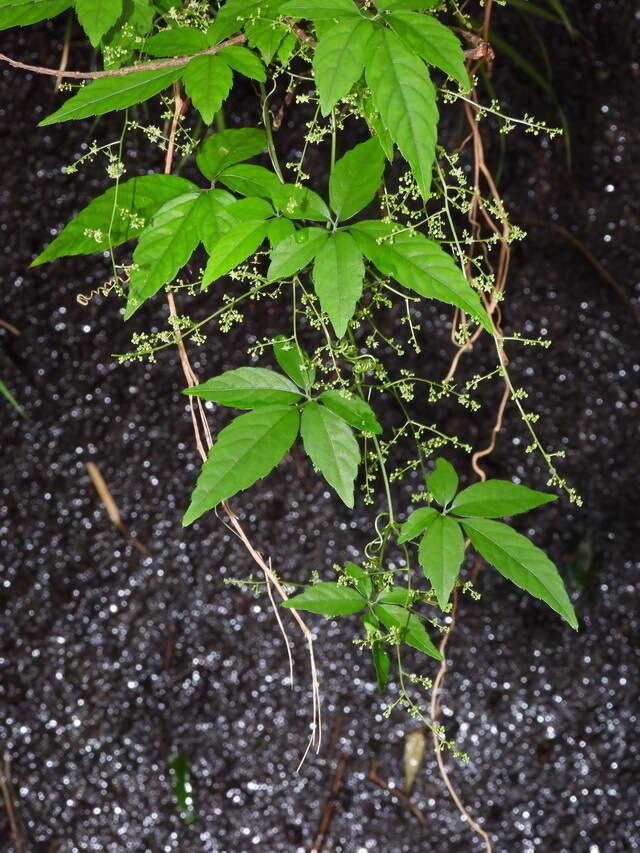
x=330 y=805
x=9 y=327
x=112 y=508
x=177 y=62
x=7 y=795
x=399 y=794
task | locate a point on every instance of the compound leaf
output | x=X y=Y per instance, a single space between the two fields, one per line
x=329 y=443
x=522 y=562
x=247 y=388
x=246 y=450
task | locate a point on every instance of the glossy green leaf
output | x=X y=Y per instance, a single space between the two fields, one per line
x=21 y=13
x=114 y=217
x=207 y=80
x=355 y=179
x=440 y=554
x=362 y=579
x=242 y=60
x=279 y=229
x=233 y=248
x=246 y=450
x=339 y=59
x=319 y=10
x=113 y=93
x=178 y=41
x=294 y=361
x=443 y=482
x=417 y=522
x=219 y=214
x=406 y=100
x=96 y=17
x=329 y=599
x=412 y=630
x=338 y=274
x=496 y=498
x=267 y=37
x=224 y=149
x=246 y=179
x=294 y=253
x=396 y=595
x=522 y=562
x=434 y=42
x=329 y=443
x=164 y=248
x=354 y=410
x=247 y=388
x=424 y=267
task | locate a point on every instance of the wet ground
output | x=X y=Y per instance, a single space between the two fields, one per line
x=113 y=663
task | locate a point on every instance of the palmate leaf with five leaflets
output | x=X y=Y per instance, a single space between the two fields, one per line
x=114 y=217
x=406 y=100
x=338 y=274
x=246 y=450
x=247 y=388
x=519 y=560
x=329 y=443
x=329 y=599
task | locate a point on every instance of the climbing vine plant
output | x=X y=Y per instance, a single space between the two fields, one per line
x=403 y=227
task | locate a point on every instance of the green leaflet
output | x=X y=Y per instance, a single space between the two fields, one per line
x=97 y=17
x=338 y=273
x=113 y=93
x=247 y=179
x=411 y=628
x=496 y=498
x=319 y=10
x=233 y=248
x=329 y=599
x=353 y=410
x=21 y=13
x=434 y=42
x=519 y=560
x=418 y=521
x=339 y=60
x=330 y=445
x=406 y=100
x=114 y=217
x=361 y=578
x=246 y=450
x=380 y=658
x=396 y=595
x=443 y=482
x=247 y=388
x=279 y=229
x=299 y=202
x=178 y=41
x=295 y=252
x=393 y=5
x=294 y=361
x=164 y=247
x=224 y=149
x=423 y=266
x=267 y=37
x=207 y=80
x=440 y=554
x=243 y=61
x=355 y=179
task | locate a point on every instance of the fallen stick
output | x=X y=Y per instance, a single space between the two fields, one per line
x=112 y=508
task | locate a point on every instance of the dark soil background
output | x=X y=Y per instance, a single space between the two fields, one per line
x=113 y=662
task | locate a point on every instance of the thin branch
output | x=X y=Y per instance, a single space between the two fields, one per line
x=177 y=62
